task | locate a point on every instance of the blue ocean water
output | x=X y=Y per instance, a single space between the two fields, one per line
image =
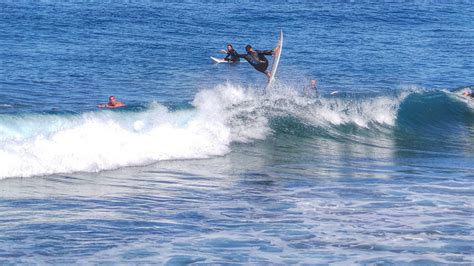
x=203 y=166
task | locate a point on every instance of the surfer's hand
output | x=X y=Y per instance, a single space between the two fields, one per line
x=275 y=50
x=223 y=51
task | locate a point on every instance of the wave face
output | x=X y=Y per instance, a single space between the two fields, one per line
x=42 y=144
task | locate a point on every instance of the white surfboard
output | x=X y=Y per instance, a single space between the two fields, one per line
x=276 y=60
x=218 y=60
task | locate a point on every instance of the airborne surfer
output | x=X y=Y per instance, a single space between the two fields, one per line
x=257 y=58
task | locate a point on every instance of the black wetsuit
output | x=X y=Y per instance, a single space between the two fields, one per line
x=232 y=56
x=257 y=59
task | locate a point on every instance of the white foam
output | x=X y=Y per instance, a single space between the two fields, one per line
x=363 y=113
x=47 y=144
x=97 y=141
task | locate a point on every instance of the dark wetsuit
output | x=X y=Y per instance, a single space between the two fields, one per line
x=232 y=56
x=257 y=59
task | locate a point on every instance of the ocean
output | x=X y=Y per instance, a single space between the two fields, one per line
x=205 y=166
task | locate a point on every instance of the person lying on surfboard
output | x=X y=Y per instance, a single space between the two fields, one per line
x=232 y=55
x=257 y=59
x=113 y=103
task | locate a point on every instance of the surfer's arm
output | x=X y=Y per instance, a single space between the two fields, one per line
x=227 y=57
x=241 y=55
x=223 y=51
x=265 y=52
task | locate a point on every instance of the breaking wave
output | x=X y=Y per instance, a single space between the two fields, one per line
x=42 y=144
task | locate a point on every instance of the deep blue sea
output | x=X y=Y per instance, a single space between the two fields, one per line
x=205 y=166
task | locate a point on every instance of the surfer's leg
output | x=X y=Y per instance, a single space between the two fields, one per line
x=262 y=67
x=268 y=74
x=264 y=71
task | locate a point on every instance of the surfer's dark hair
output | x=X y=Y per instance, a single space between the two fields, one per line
x=248 y=47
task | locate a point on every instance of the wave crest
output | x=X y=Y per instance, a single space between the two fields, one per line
x=46 y=144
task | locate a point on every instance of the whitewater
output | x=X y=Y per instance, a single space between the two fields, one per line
x=42 y=144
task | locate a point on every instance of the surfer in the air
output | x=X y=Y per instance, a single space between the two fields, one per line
x=257 y=58
x=113 y=103
x=232 y=55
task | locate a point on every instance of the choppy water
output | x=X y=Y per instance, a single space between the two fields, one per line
x=202 y=166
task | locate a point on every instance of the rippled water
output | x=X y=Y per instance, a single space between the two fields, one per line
x=365 y=210
x=204 y=167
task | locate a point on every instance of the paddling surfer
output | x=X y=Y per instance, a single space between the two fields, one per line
x=232 y=55
x=311 y=89
x=113 y=103
x=468 y=94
